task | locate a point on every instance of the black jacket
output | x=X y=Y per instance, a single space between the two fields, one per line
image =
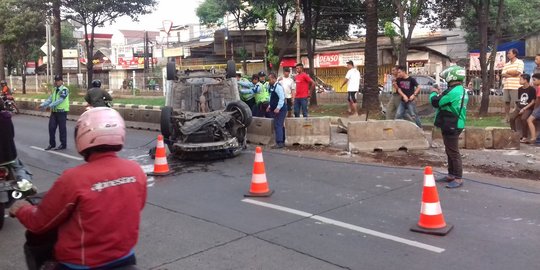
x=8 y=152
x=97 y=97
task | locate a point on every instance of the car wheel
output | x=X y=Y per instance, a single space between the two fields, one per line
x=166 y=126
x=231 y=69
x=241 y=111
x=171 y=71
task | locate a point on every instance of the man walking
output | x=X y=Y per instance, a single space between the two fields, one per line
x=58 y=101
x=395 y=99
x=408 y=89
x=277 y=108
x=304 y=86
x=510 y=73
x=352 y=79
x=288 y=86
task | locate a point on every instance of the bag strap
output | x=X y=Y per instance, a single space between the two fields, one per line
x=462 y=100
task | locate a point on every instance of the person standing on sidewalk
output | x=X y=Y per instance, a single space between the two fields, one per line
x=451 y=107
x=58 y=101
x=395 y=99
x=510 y=73
x=304 y=86
x=352 y=79
x=408 y=89
x=524 y=108
x=277 y=108
x=288 y=86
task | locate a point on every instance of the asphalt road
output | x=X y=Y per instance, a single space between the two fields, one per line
x=323 y=214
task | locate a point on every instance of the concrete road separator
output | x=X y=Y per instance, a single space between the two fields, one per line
x=385 y=135
x=261 y=131
x=347 y=226
x=308 y=131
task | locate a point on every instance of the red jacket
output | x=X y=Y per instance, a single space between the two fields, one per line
x=96 y=207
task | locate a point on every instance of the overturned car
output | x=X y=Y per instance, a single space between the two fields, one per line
x=203 y=117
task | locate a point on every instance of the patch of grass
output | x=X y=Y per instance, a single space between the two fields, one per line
x=473 y=121
x=328 y=110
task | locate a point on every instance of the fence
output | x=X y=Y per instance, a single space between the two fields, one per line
x=334 y=76
x=39 y=83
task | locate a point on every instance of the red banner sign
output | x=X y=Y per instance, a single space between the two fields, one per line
x=328 y=60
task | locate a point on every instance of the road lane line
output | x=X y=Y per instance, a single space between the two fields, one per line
x=57 y=153
x=348 y=226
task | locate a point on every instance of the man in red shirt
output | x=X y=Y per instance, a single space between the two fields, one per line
x=304 y=85
x=94 y=208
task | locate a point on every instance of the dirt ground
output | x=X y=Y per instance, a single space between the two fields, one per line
x=523 y=163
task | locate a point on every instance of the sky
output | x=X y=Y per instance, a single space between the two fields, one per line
x=178 y=11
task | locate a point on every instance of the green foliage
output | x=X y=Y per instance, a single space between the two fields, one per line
x=520 y=18
x=211 y=12
x=333 y=17
x=68 y=41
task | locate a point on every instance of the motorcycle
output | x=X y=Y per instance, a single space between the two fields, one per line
x=12 y=189
x=9 y=104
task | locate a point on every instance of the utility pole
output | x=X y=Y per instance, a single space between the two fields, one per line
x=49 y=51
x=298 y=45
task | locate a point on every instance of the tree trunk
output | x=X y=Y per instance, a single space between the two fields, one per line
x=24 y=77
x=483 y=13
x=370 y=100
x=2 y=62
x=57 y=38
x=89 y=55
x=311 y=23
x=244 y=51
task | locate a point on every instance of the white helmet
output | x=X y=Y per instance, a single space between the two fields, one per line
x=100 y=126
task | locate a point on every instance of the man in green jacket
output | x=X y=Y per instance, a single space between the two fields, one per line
x=58 y=101
x=451 y=114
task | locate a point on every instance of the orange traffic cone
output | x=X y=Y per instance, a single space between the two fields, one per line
x=259 y=185
x=161 y=167
x=431 y=217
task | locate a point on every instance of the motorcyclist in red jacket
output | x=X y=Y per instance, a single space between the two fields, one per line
x=95 y=208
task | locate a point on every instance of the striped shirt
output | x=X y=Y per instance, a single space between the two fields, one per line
x=512 y=83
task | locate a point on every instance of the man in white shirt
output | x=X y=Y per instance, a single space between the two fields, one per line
x=288 y=86
x=511 y=72
x=352 y=79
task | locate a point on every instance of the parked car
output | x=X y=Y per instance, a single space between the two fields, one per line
x=203 y=117
x=426 y=82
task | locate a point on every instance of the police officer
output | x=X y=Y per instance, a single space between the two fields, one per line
x=58 y=101
x=262 y=96
x=97 y=97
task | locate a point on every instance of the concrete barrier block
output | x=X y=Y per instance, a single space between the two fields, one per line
x=436 y=134
x=148 y=116
x=505 y=138
x=475 y=138
x=462 y=140
x=488 y=138
x=307 y=131
x=261 y=131
x=386 y=135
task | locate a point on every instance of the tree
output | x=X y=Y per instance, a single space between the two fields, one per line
x=23 y=33
x=211 y=12
x=370 y=100
x=93 y=13
x=68 y=41
x=435 y=13
x=281 y=36
x=328 y=19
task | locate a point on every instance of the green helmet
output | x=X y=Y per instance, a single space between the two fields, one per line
x=454 y=73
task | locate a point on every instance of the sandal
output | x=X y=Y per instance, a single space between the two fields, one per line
x=523 y=140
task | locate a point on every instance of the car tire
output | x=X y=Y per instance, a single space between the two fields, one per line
x=171 y=71
x=166 y=126
x=241 y=111
x=231 y=69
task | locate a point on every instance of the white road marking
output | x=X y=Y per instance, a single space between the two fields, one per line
x=348 y=226
x=57 y=153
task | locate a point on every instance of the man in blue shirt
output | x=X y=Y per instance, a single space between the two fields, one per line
x=58 y=101
x=278 y=108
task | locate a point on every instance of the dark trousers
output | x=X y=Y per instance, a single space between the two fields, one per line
x=39 y=253
x=300 y=104
x=279 y=124
x=451 y=146
x=58 y=119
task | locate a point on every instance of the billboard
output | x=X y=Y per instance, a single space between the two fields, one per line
x=474 y=60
